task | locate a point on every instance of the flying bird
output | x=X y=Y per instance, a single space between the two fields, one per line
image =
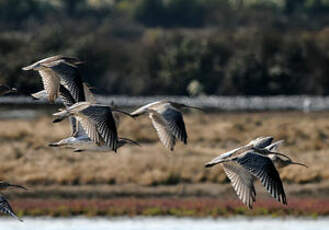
x=167 y=119
x=253 y=161
x=4 y=204
x=68 y=100
x=84 y=143
x=96 y=120
x=81 y=142
x=60 y=70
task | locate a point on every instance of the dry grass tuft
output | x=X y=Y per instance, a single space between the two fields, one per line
x=28 y=160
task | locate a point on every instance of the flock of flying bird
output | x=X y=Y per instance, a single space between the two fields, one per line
x=94 y=128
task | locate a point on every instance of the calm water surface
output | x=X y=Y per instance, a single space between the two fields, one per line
x=167 y=223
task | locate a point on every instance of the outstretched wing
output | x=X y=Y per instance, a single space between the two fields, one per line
x=66 y=96
x=242 y=182
x=51 y=83
x=6 y=208
x=175 y=122
x=263 y=168
x=69 y=76
x=103 y=121
x=90 y=128
x=163 y=130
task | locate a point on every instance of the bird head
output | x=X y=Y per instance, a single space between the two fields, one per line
x=282 y=160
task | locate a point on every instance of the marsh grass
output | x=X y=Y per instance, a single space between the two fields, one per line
x=28 y=160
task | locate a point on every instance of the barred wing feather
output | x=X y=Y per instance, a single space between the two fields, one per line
x=103 y=121
x=70 y=77
x=164 y=133
x=175 y=122
x=242 y=182
x=51 y=83
x=263 y=168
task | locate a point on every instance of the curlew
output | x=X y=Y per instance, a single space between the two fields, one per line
x=4 y=204
x=60 y=70
x=167 y=119
x=84 y=143
x=81 y=142
x=68 y=101
x=96 y=120
x=253 y=161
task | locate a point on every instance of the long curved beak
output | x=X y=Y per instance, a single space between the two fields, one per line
x=267 y=152
x=281 y=154
x=18 y=186
x=194 y=107
x=129 y=141
x=298 y=163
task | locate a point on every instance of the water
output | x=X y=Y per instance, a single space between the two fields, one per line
x=167 y=223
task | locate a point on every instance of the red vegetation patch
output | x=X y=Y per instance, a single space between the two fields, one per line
x=170 y=206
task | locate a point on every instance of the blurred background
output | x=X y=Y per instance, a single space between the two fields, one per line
x=221 y=47
x=246 y=50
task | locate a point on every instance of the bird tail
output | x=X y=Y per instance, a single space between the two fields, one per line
x=54 y=144
x=40 y=95
x=134 y=115
x=213 y=163
x=225 y=157
x=274 y=146
x=61 y=116
x=217 y=160
x=30 y=67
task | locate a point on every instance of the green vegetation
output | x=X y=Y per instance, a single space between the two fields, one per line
x=173 y=46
